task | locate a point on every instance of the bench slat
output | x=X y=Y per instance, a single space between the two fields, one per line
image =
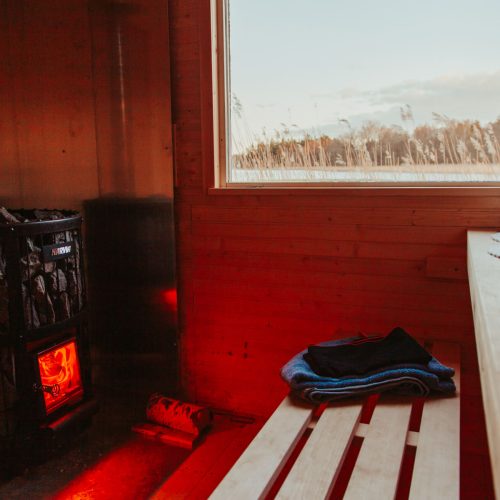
x=376 y=473
x=436 y=473
x=318 y=464
x=253 y=474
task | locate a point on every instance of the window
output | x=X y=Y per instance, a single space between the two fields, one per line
x=330 y=91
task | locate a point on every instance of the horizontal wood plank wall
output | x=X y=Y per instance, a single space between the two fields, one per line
x=263 y=275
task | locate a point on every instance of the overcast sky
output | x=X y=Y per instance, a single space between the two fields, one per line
x=313 y=62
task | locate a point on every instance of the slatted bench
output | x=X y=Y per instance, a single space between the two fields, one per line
x=484 y=283
x=376 y=471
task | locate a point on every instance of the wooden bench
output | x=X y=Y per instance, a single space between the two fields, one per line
x=377 y=468
x=484 y=283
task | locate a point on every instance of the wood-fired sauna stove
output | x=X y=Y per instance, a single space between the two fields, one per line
x=45 y=383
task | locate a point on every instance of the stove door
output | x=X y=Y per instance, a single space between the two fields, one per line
x=60 y=380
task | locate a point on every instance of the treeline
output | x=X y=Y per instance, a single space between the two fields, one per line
x=447 y=141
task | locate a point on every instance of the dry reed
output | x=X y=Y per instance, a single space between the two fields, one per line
x=445 y=142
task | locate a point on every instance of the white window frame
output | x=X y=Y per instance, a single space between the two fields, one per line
x=220 y=90
x=221 y=80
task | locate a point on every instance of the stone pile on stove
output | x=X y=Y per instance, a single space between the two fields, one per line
x=52 y=290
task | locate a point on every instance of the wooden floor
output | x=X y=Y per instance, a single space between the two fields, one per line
x=207 y=465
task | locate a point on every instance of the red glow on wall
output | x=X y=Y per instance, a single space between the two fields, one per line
x=170 y=298
x=60 y=375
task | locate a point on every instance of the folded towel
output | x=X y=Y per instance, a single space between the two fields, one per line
x=410 y=378
x=368 y=354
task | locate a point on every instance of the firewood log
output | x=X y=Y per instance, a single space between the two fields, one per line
x=175 y=414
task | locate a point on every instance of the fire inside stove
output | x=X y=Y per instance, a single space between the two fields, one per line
x=60 y=376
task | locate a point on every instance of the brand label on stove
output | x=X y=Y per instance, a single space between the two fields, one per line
x=58 y=251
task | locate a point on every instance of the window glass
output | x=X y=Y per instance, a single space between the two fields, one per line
x=364 y=91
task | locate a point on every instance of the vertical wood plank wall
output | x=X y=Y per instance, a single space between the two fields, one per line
x=131 y=72
x=261 y=275
x=59 y=128
x=47 y=104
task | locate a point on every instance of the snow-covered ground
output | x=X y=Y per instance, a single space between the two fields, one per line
x=404 y=174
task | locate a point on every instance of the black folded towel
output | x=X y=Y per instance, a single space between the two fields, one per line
x=359 y=358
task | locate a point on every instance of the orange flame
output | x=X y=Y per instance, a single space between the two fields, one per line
x=60 y=367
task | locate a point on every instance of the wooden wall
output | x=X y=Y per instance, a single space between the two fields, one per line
x=262 y=275
x=84 y=101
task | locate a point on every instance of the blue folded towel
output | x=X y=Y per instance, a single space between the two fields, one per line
x=412 y=379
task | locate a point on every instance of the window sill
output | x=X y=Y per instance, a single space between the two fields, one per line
x=453 y=178
x=438 y=189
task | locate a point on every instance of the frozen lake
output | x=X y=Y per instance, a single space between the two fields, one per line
x=404 y=174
